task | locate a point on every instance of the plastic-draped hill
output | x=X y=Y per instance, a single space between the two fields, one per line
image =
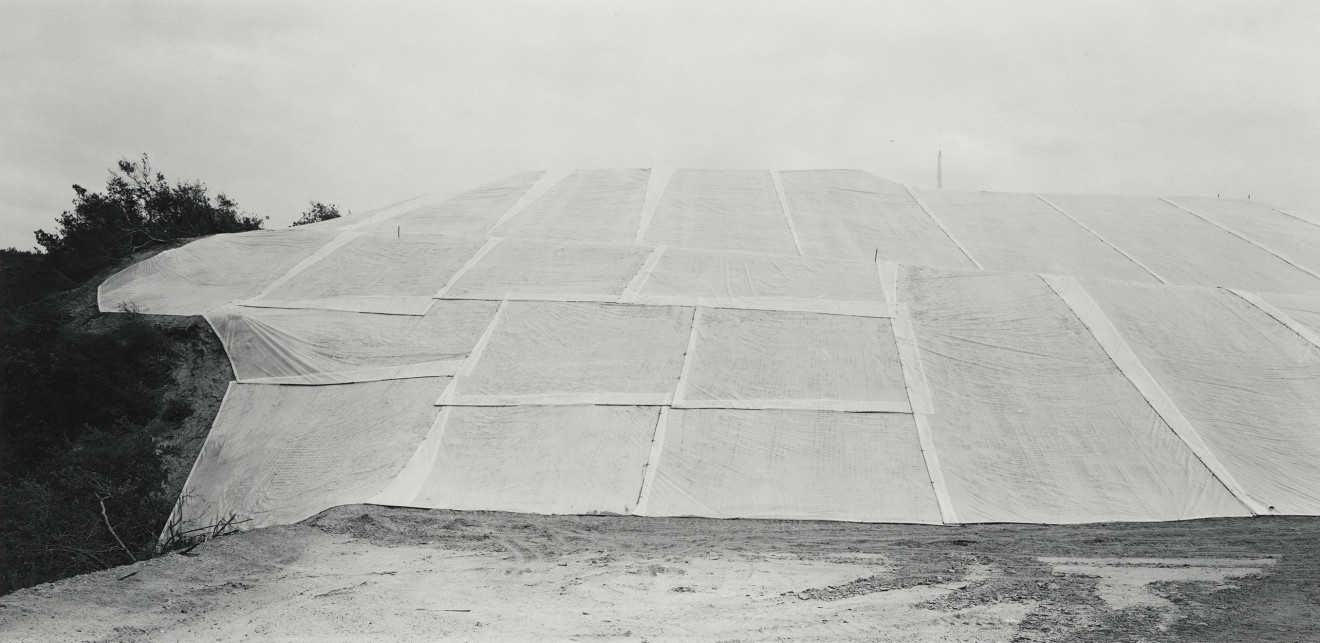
x=813 y=344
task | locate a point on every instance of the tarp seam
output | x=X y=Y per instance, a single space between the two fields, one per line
x=795 y=404
x=1278 y=315
x=888 y=275
x=656 y=184
x=469 y=265
x=788 y=214
x=321 y=253
x=561 y=399
x=470 y=362
x=402 y=207
x=420 y=473
x=1111 y=341
x=1101 y=238
x=544 y=183
x=947 y=232
x=1242 y=237
x=919 y=400
x=652 y=463
x=681 y=388
x=643 y=275
x=1300 y=216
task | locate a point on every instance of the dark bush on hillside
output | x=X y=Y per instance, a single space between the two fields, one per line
x=318 y=212
x=138 y=209
x=99 y=503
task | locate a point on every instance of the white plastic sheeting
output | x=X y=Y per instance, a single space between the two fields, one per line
x=851 y=214
x=470 y=214
x=600 y=207
x=394 y=275
x=575 y=353
x=991 y=226
x=525 y=269
x=761 y=359
x=1245 y=380
x=722 y=210
x=279 y=454
x=1292 y=239
x=1032 y=420
x=816 y=465
x=1182 y=248
x=744 y=344
x=1301 y=309
x=678 y=276
x=208 y=273
x=271 y=346
x=537 y=459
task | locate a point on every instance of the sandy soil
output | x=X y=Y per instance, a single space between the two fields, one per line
x=378 y=573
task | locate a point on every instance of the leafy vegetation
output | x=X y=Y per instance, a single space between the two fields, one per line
x=84 y=397
x=318 y=212
x=138 y=209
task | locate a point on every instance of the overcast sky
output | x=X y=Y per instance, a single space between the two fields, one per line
x=276 y=104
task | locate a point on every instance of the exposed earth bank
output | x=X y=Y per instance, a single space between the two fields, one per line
x=365 y=572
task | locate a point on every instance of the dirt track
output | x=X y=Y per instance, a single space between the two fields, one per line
x=363 y=572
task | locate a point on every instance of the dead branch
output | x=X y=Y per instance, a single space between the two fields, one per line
x=106 y=516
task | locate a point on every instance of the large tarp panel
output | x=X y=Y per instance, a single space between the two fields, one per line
x=851 y=214
x=469 y=214
x=600 y=207
x=395 y=275
x=535 y=459
x=1032 y=420
x=1021 y=233
x=1246 y=381
x=525 y=269
x=769 y=282
x=807 y=465
x=279 y=454
x=208 y=273
x=763 y=359
x=542 y=352
x=1181 y=247
x=273 y=346
x=722 y=210
x=1294 y=239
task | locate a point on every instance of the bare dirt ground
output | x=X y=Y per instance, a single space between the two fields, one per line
x=378 y=573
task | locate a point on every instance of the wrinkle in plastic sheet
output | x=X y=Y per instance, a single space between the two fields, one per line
x=792 y=464
x=776 y=359
x=578 y=353
x=376 y=274
x=767 y=282
x=721 y=210
x=1021 y=233
x=539 y=459
x=208 y=273
x=1245 y=380
x=275 y=346
x=855 y=215
x=1034 y=422
x=598 y=207
x=1181 y=247
x=279 y=454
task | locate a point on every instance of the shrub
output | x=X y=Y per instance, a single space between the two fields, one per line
x=138 y=209
x=318 y=212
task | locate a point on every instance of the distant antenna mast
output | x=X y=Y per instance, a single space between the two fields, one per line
x=939 y=170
